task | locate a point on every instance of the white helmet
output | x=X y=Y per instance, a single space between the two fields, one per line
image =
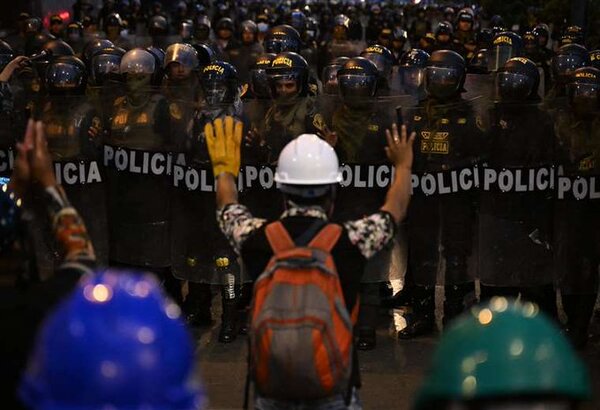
x=307 y=160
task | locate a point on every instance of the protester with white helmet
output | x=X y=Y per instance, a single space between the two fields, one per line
x=307 y=175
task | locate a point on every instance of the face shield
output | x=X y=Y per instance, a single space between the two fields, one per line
x=562 y=65
x=513 y=86
x=442 y=82
x=63 y=77
x=260 y=83
x=285 y=86
x=584 y=98
x=412 y=78
x=383 y=65
x=279 y=45
x=106 y=67
x=182 y=54
x=330 y=80
x=217 y=92
x=500 y=54
x=357 y=90
x=186 y=31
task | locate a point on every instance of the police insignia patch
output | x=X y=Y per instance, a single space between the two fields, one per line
x=175 y=111
x=319 y=122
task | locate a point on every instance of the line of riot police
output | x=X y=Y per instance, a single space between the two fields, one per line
x=125 y=127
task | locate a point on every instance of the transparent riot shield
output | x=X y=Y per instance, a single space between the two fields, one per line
x=441 y=220
x=138 y=166
x=515 y=199
x=576 y=206
x=356 y=128
x=74 y=129
x=200 y=253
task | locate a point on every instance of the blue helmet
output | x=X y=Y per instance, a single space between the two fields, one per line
x=116 y=342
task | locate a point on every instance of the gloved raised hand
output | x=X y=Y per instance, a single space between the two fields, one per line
x=223 y=138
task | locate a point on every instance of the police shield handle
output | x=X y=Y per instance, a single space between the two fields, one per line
x=400 y=153
x=223 y=139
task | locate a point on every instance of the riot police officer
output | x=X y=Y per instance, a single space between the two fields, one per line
x=139 y=224
x=200 y=252
x=464 y=36
x=105 y=82
x=568 y=58
x=282 y=38
x=340 y=45
x=444 y=36
x=244 y=56
x=505 y=45
x=329 y=76
x=577 y=221
x=356 y=129
x=449 y=136
x=74 y=131
x=113 y=24
x=225 y=42
x=515 y=227
x=383 y=59
x=412 y=73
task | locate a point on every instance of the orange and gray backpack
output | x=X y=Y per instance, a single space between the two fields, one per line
x=300 y=329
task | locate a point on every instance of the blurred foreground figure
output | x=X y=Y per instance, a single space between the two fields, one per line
x=504 y=356
x=115 y=342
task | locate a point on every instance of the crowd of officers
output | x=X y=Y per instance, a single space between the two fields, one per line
x=139 y=79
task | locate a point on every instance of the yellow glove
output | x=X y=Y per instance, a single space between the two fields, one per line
x=223 y=138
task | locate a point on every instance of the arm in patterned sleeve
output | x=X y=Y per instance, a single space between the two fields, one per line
x=237 y=224
x=371 y=233
x=70 y=232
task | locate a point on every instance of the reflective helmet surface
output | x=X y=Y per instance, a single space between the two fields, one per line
x=502 y=350
x=65 y=75
x=518 y=80
x=282 y=38
x=220 y=83
x=505 y=45
x=445 y=74
x=115 y=342
x=357 y=79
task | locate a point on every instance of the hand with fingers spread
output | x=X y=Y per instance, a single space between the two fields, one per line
x=42 y=170
x=400 y=147
x=223 y=139
x=21 y=175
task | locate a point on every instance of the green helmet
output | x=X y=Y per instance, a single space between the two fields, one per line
x=501 y=350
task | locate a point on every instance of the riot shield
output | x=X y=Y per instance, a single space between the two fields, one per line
x=441 y=220
x=515 y=196
x=73 y=129
x=138 y=167
x=198 y=247
x=576 y=204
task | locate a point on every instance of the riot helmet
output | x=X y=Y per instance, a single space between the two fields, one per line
x=399 y=39
x=7 y=54
x=180 y=60
x=288 y=77
x=445 y=75
x=74 y=32
x=504 y=355
x=465 y=20
x=381 y=56
x=573 y=35
x=113 y=25
x=138 y=67
x=35 y=44
x=220 y=83
x=530 y=41
x=443 y=33
x=583 y=90
x=543 y=34
x=341 y=27
x=224 y=28
x=105 y=66
x=186 y=29
x=249 y=31
x=594 y=56
x=412 y=69
x=505 y=45
x=312 y=29
x=385 y=37
x=449 y=14
x=202 y=29
x=116 y=341
x=92 y=47
x=159 y=58
x=65 y=75
x=158 y=26
x=497 y=21
x=484 y=38
x=329 y=75
x=357 y=81
x=567 y=59
x=518 y=80
x=479 y=63
x=281 y=39
x=297 y=19
x=58 y=48
x=206 y=55
x=56 y=25
x=259 y=82
x=32 y=25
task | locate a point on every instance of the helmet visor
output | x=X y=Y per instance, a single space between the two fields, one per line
x=279 y=45
x=216 y=92
x=105 y=65
x=442 y=82
x=584 y=97
x=64 y=76
x=513 y=86
x=260 y=83
x=412 y=77
x=383 y=64
x=361 y=86
x=499 y=55
x=182 y=54
x=138 y=66
x=564 y=64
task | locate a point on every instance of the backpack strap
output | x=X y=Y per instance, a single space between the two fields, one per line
x=278 y=237
x=326 y=238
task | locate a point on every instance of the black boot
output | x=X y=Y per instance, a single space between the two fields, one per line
x=420 y=318
x=228 y=331
x=367 y=316
x=402 y=298
x=197 y=304
x=243 y=307
x=455 y=300
x=579 y=309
